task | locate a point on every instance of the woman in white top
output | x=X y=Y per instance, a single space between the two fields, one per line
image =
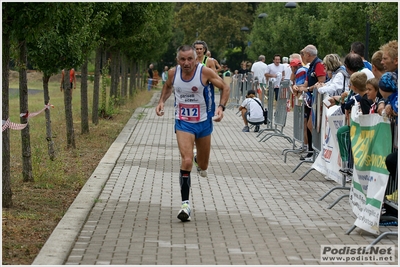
x=339 y=82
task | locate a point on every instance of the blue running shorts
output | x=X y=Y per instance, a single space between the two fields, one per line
x=200 y=129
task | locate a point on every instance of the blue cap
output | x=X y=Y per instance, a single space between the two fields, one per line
x=388 y=82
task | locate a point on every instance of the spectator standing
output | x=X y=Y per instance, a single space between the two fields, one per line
x=316 y=73
x=358 y=82
x=287 y=68
x=226 y=75
x=243 y=71
x=390 y=64
x=389 y=90
x=276 y=72
x=252 y=111
x=248 y=65
x=377 y=67
x=193 y=120
x=359 y=49
x=353 y=63
x=259 y=69
x=150 y=77
x=390 y=56
x=291 y=57
x=339 y=81
x=72 y=79
x=164 y=75
x=300 y=74
x=243 y=68
x=373 y=94
x=227 y=72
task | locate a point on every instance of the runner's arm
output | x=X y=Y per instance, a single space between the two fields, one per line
x=211 y=64
x=211 y=76
x=217 y=66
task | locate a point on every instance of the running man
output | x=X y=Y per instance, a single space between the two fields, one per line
x=201 y=50
x=193 y=119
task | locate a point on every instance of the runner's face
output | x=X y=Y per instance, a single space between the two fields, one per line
x=199 y=50
x=187 y=61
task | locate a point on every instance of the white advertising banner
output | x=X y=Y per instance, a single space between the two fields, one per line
x=329 y=161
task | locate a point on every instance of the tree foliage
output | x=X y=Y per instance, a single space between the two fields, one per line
x=331 y=26
x=218 y=24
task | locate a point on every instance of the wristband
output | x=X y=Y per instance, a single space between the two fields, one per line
x=222 y=106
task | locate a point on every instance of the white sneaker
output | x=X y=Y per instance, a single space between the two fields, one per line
x=184 y=213
x=203 y=173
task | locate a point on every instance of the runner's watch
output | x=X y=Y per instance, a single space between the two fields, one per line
x=222 y=106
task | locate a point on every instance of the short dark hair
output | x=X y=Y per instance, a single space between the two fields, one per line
x=251 y=92
x=197 y=42
x=277 y=55
x=185 y=48
x=353 y=62
x=358 y=48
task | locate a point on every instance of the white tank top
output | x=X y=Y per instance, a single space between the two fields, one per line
x=190 y=102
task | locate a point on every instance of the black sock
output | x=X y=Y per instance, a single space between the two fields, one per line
x=309 y=138
x=184 y=181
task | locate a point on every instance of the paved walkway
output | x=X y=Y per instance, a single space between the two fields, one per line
x=251 y=210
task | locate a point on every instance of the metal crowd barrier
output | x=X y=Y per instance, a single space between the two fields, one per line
x=391 y=190
x=280 y=111
x=298 y=129
x=317 y=142
x=316 y=114
x=268 y=93
x=234 y=94
x=239 y=86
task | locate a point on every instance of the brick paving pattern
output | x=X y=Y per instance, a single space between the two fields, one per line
x=251 y=210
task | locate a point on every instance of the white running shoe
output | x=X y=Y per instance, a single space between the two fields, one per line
x=203 y=173
x=184 y=213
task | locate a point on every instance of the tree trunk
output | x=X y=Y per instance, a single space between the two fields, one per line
x=132 y=79
x=69 y=122
x=49 y=138
x=96 y=87
x=137 y=76
x=118 y=78
x=84 y=98
x=113 y=89
x=124 y=77
x=6 y=177
x=143 y=74
x=23 y=105
x=104 y=77
x=115 y=73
